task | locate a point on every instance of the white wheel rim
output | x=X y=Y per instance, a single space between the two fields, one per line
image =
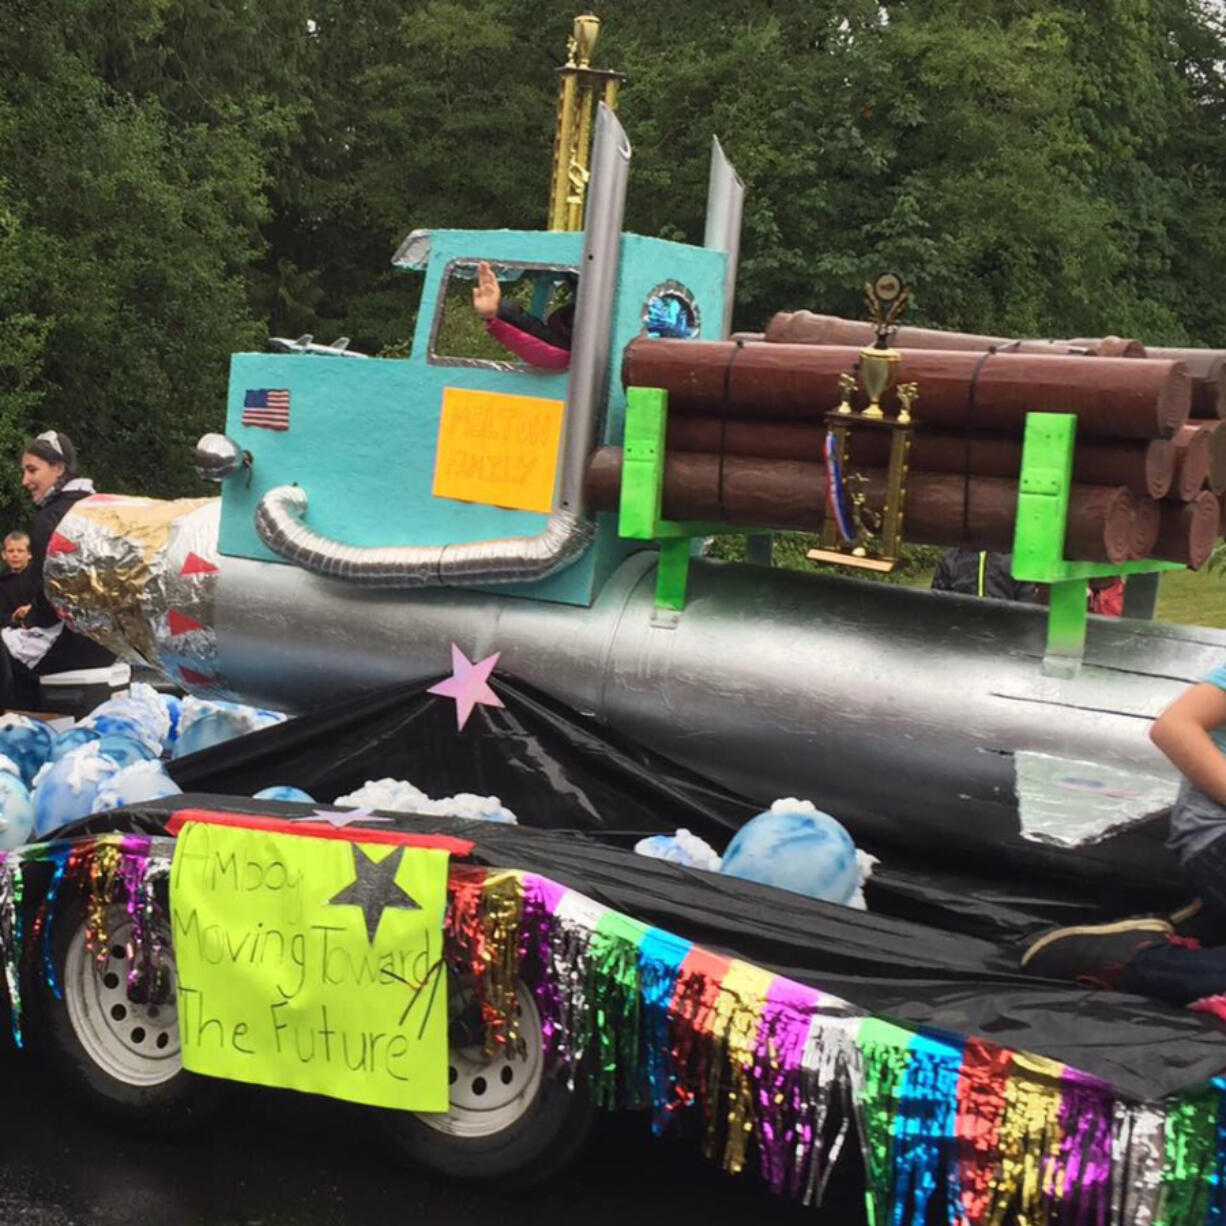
x=489 y=1095
x=137 y=1044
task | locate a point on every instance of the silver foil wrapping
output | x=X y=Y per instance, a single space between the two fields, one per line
x=140 y=575
x=1072 y=804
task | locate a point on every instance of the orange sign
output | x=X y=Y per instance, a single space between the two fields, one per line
x=498 y=450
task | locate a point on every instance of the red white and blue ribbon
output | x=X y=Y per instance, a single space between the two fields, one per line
x=836 y=495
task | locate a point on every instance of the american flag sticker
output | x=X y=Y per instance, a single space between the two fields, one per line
x=267 y=408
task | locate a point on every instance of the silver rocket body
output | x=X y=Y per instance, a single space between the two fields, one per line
x=892 y=708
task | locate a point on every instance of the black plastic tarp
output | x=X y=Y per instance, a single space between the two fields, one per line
x=552 y=767
x=560 y=770
x=937 y=949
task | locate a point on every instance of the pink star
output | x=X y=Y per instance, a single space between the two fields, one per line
x=467 y=684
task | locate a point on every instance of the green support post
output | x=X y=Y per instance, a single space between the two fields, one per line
x=672 y=574
x=1067 y=610
x=1044 y=486
x=643 y=462
x=642 y=492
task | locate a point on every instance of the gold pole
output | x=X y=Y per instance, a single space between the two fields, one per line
x=579 y=172
x=577 y=94
x=896 y=478
x=560 y=188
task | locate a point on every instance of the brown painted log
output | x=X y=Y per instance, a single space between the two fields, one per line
x=1193 y=458
x=807 y=328
x=752 y=492
x=1207 y=369
x=1111 y=397
x=1100 y=518
x=1146 y=468
x=1189 y=530
x=1146 y=524
x=1217 y=462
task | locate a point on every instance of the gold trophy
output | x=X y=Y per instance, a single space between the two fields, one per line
x=855 y=533
x=886 y=298
x=579 y=89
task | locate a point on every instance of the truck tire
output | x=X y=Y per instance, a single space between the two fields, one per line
x=509 y=1120
x=122 y=1057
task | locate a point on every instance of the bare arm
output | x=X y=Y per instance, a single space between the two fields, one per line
x=1182 y=733
x=487 y=293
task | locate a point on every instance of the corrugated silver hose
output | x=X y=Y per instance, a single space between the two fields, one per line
x=278 y=520
x=279 y=517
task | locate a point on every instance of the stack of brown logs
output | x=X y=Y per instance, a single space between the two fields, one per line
x=746 y=428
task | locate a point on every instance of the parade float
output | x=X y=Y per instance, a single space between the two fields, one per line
x=463 y=571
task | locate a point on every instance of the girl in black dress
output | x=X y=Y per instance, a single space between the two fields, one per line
x=44 y=644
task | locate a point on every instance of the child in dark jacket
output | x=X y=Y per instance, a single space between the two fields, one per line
x=17 y=589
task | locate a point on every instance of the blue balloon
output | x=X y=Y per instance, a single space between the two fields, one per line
x=27 y=742
x=16 y=812
x=206 y=723
x=215 y=728
x=123 y=717
x=125 y=750
x=174 y=708
x=806 y=852
x=120 y=723
x=70 y=739
x=133 y=784
x=283 y=791
x=682 y=848
x=67 y=789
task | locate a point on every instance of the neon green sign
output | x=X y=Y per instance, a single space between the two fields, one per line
x=312 y=964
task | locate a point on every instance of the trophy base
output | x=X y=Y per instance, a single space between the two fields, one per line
x=881 y=566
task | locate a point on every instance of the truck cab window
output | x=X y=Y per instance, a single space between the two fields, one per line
x=504 y=316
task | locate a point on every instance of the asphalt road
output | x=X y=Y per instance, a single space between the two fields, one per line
x=281 y=1159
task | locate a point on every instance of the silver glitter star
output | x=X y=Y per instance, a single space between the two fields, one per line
x=372 y=888
x=342 y=817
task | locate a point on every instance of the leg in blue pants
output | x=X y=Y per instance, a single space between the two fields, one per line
x=1173 y=973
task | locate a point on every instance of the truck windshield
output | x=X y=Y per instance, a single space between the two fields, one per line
x=509 y=317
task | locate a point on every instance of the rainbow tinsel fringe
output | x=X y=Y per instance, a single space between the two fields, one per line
x=773 y=1069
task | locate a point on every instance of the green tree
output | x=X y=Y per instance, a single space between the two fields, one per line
x=183 y=176
x=129 y=228
x=433 y=113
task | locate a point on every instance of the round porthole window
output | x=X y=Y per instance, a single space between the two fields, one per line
x=670 y=313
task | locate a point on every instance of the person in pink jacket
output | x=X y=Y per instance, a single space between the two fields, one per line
x=544 y=345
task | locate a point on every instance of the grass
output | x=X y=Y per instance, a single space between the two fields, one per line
x=1185 y=597
x=1193 y=598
